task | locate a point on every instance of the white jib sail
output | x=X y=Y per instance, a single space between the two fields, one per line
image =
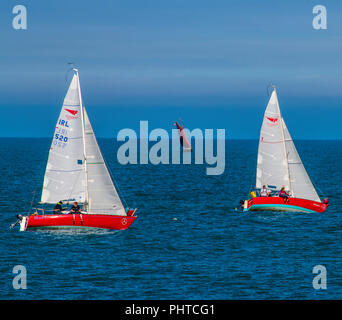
x=301 y=185
x=103 y=197
x=64 y=176
x=279 y=164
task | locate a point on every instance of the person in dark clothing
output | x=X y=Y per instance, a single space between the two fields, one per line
x=283 y=194
x=58 y=207
x=75 y=208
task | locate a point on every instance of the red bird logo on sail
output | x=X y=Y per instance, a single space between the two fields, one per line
x=274 y=120
x=73 y=112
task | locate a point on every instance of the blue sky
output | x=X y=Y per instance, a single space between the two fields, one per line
x=207 y=62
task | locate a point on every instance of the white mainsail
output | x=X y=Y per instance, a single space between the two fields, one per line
x=279 y=164
x=64 y=175
x=76 y=170
x=272 y=165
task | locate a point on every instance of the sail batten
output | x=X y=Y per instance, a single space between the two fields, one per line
x=279 y=164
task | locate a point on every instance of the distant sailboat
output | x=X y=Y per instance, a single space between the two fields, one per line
x=182 y=137
x=76 y=171
x=278 y=166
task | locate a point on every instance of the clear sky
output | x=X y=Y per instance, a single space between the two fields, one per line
x=207 y=62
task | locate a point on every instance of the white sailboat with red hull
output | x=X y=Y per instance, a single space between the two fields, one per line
x=76 y=171
x=279 y=166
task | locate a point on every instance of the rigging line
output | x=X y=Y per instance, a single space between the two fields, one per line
x=115 y=184
x=68 y=71
x=31 y=203
x=316 y=187
x=313 y=182
x=73 y=186
x=119 y=191
x=268 y=87
x=82 y=108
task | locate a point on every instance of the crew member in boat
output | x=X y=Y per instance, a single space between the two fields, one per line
x=75 y=208
x=283 y=194
x=264 y=192
x=58 y=207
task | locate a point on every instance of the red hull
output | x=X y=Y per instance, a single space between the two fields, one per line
x=79 y=220
x=278 y=204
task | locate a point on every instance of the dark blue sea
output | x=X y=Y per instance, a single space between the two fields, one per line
x=189 y=241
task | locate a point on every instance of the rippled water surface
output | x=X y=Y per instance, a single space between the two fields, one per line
x=189 y=241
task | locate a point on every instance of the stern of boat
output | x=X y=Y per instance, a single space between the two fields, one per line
x=244 y=205
x=23 y=223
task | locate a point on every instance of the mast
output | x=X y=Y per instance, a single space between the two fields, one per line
x=287 y=157
x=283 y=138
x=86 y=196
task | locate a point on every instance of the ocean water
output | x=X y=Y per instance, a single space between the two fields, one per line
x=189 y=241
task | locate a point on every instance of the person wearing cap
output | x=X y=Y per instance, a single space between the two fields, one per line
x=58 y=207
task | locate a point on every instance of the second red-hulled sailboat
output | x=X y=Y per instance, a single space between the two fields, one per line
x=282 y=183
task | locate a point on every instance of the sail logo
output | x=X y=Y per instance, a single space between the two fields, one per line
x=73 y=114
x=272 y=121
